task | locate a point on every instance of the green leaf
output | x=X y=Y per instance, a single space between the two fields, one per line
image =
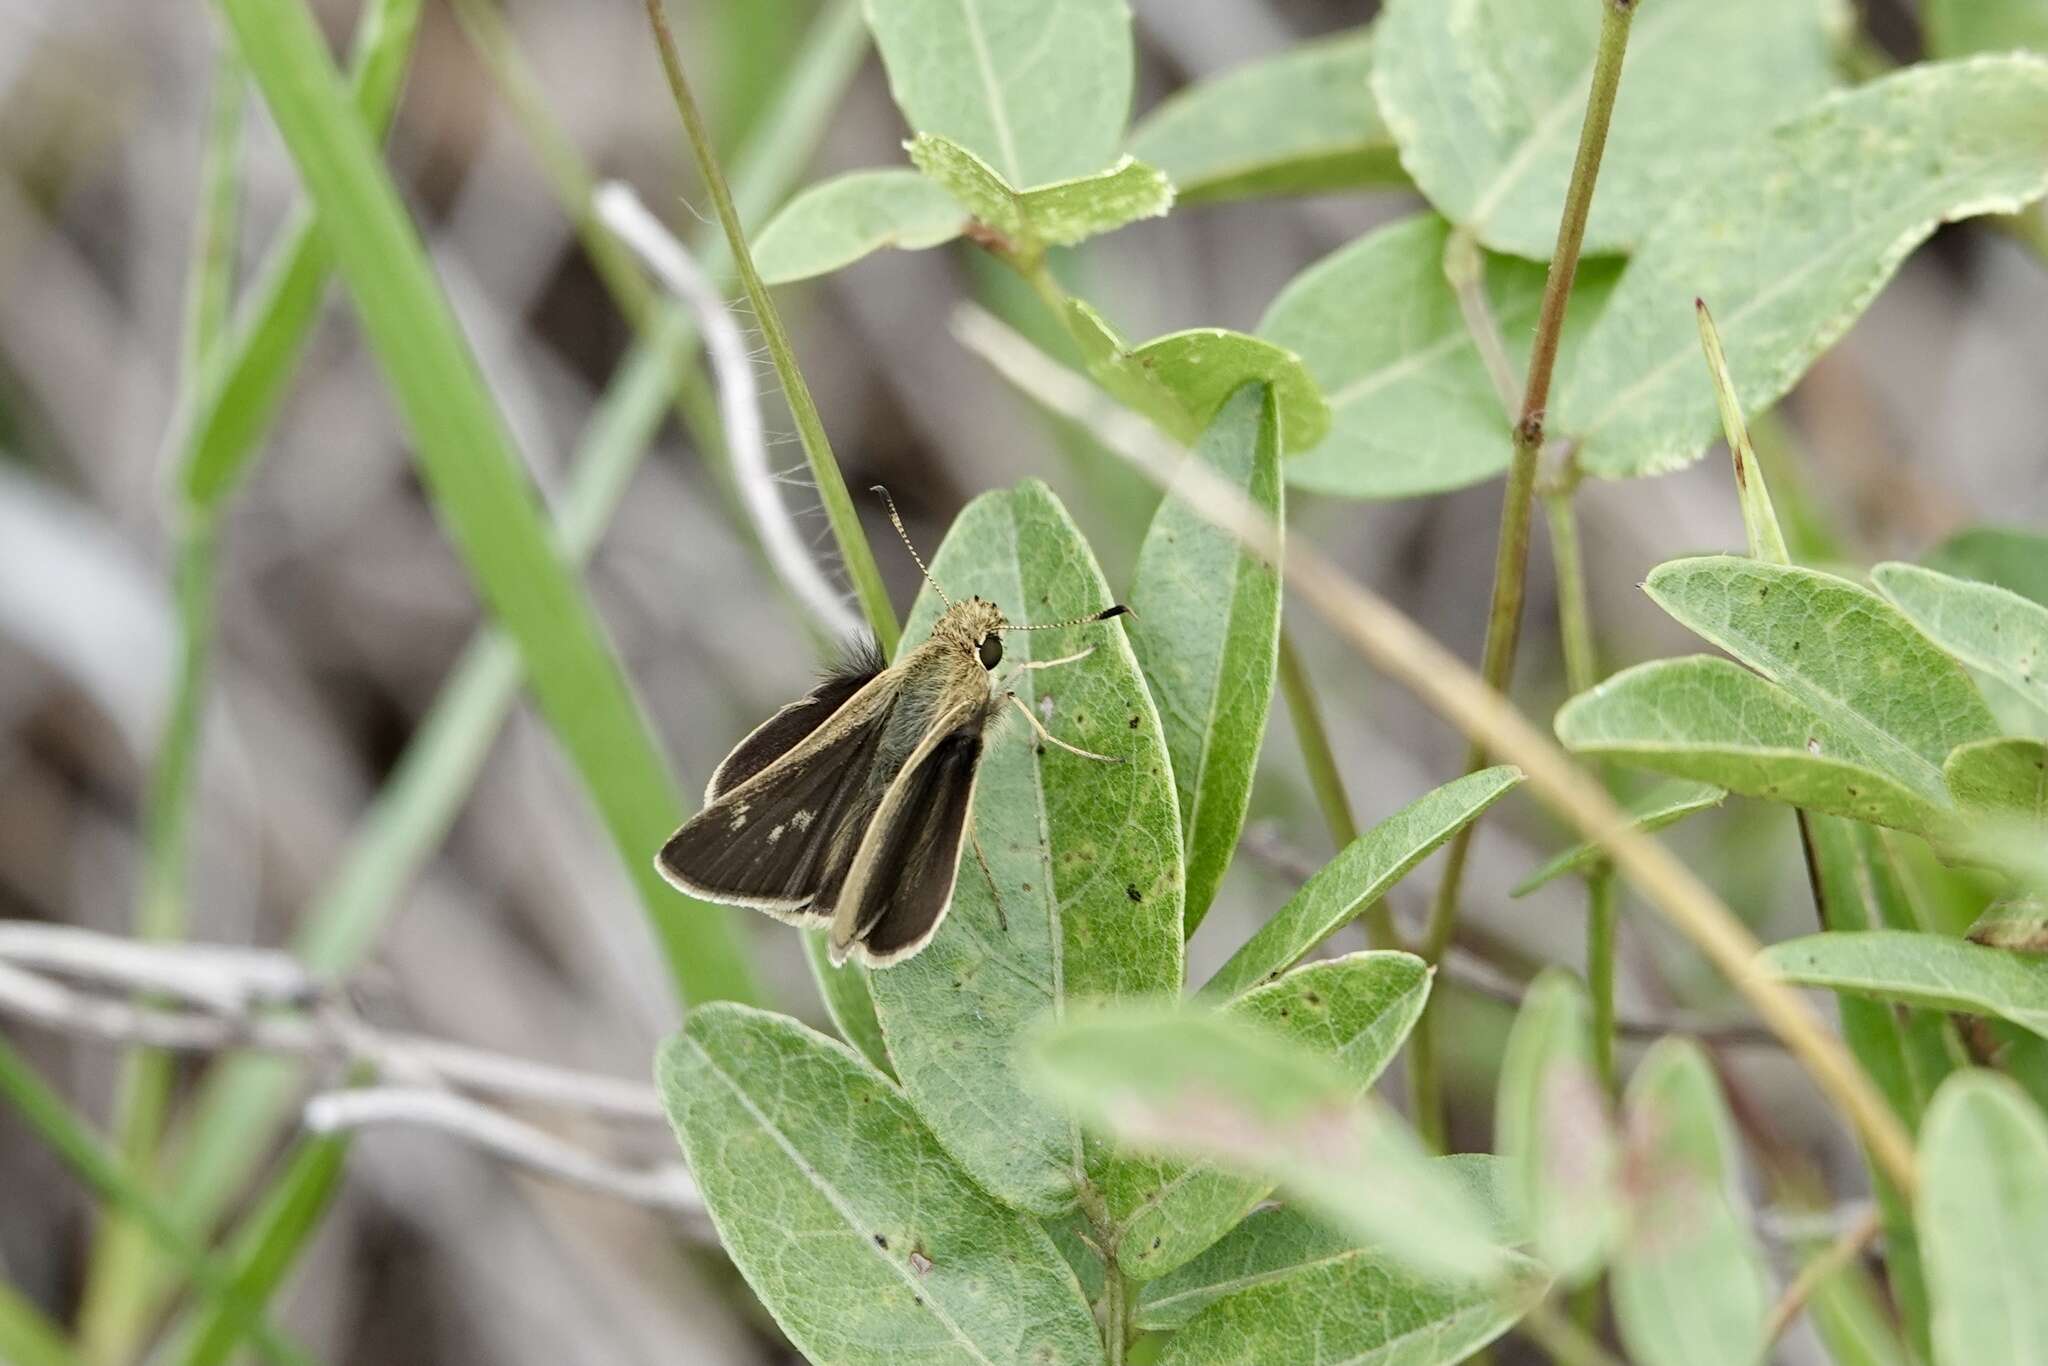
x=1203 y=1085
x=1840 y=649
x=1303 y=122
x=1359 y=875
x=1182 y=380
x=1485 y=98
x=1411 y=406
x=1551 y=1124
x=477 y=482
x=1930 y=970
x=1714 y=721
x=2006 y=556
x=1087 y=856
x=1273 y=1243
x=1061 y=213
x=1958 y=28
x=1984 y=1214
x=1356 y=1010
x=1206 y=628
x=844 y=990
x=1356 y=1308
x=1689 y=1286
x=1991 y=629
x=1788 y=242
x=1662 y=806
x=1267 y=1245
x=2002 y=776
x=853 y=1227
x=1038 y=89
x=836 y=222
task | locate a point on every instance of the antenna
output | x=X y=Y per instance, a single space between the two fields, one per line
x=1115 y=610
x=904 y=536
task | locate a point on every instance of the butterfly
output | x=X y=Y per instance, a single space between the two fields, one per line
x=849 y=807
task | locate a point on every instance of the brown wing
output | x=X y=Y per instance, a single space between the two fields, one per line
x=901 y=882
x=785 y=730
x=782 y=840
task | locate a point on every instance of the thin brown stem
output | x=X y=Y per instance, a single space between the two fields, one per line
x=1511 y=558
x=1832 y=1259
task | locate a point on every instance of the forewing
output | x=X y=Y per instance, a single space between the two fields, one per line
x=901 y=883
x=782 y=840
x=785 y=730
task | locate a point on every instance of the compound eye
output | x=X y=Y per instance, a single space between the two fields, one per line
x=990 y=650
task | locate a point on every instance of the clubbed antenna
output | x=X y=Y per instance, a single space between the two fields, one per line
x=1114 y=610
x=904 y=536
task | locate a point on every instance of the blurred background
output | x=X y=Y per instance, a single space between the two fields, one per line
x=341 y=608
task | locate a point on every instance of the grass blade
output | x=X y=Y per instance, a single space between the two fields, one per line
x=474 y=476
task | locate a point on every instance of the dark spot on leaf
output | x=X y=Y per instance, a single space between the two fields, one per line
x=1131 y=891
x=1133 y=722
x=1312 y=998
x=881 y=1242
x=1795 y=647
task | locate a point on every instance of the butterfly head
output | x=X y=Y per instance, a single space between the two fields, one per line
x=974 y=626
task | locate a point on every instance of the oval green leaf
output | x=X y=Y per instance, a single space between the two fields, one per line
x=1359 y=875
x=1839 y=648
x=1920 y=969
x=1038 y=89
x=1485 y=98
x=1663 y=805
x=1181 y=380
x=1086 y=854
x=1206 y=629
x=1356 y=1010
x=857 y=1232
x=1412 y=409
x=2007 y=777
x=1304 y=122
x=1716 y=722
x=1689 y=1286
x=1991 y=629
x=1788 y=243
x=1983 y=1211
x=1061 y=213
x=836 y=222
x=1357 y=1308
x=1551 y=1124
x=1205 y=1085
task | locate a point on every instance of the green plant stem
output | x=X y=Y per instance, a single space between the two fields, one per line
x=143 y=1092
x=1511 y=558
x=846 y=530
x=28 y=1337
x=114 y=1182
x=1116 y=1312
x=1582 y=672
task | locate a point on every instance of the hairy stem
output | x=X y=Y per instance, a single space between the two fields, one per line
x=846 y=530
x=1511 y=557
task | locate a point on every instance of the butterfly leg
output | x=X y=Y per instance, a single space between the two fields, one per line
x=1029 y=665
x=1052 y=739
x=1002 y=919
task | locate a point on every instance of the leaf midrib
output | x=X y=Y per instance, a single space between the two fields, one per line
x=999 y=113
